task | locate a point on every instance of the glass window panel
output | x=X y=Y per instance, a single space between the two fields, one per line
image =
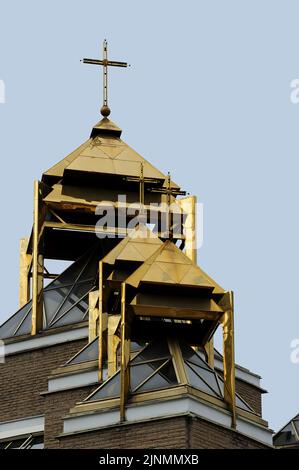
x=53 y=299
x=110 y=389
x=154 y=383
x=221 y=385
x=89 y=353
x=17 y=443
x=85 y=317
x=168 y=373
x=91 y=269
x=155 y=350
x=201 y=354
x=72 y=273
x=27 y=442
x=36 y=443
x=7 y=445
x=75 y=315
x=286 y=436
x=165 y=378
x=243 y=405
x=239 y=402
x=105 y=371
x=140 y=372
x=84 y=269
x=217 y=354
x=9 y=327
x=207 y=375
x=79 y=291
x=136 y=346
x=191 y=355
x=196 y=382
x=25 y=327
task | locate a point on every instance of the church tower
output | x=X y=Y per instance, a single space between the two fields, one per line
x=117 y=351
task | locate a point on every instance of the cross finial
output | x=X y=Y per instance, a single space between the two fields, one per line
x=169 y=191
x=142 y=180
x=105 y=110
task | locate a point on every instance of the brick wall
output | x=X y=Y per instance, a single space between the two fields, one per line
x=24 y=376
x=251 y=394
x=170 y=433
x=57 y=406
x=205 y=435
x=161 y=434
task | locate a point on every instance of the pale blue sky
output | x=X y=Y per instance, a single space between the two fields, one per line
x=207 y=97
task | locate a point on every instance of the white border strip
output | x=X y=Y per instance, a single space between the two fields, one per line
x=21 y=426
x=79 y=379
x=147 y=411
x=38 y=342
x=241 y=374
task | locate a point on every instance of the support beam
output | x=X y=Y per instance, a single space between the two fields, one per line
x=125 y=356
x=188 y=206
x=227 y=303
x=179 y=365
x=117 y=231
x=37 y=261
x=93 y=300
x=102 y=325
x=103 y=341
x=25 y=266
x=113 y=342
x=209 y=348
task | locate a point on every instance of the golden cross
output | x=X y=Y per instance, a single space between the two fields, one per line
x=169 y=191
x=105 y=110
x=141 y=180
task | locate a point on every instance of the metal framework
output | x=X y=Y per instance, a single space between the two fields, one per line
x=37 y=260
x=227 y=322
x=25 y=268
x=145 y=282
x=118 y=325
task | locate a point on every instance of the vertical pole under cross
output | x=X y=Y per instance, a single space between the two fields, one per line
x=105 y=73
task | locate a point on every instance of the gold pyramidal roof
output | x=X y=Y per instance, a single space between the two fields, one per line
x=104 y=153
x=138 y=246
x=169 y=268
x=169 y=265
x=131 y=252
